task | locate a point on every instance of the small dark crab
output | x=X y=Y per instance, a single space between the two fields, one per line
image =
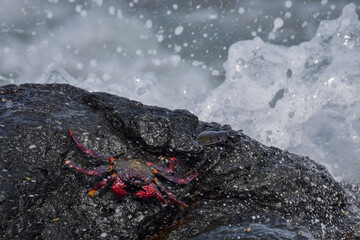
x=213 y=137
x=135 y=172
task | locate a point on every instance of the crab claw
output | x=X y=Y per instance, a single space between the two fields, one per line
x=118 y=186
x=151 y=190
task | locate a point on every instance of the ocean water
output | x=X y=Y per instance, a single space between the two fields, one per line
x=286 y=72
x=304 y=98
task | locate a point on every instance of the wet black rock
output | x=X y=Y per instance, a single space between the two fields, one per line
x=244 y=189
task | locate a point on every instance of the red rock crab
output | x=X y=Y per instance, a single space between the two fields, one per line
x=135 y=172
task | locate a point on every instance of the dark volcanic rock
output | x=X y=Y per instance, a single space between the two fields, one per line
x=244 y=190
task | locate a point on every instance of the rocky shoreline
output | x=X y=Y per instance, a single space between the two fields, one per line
x=244 y=188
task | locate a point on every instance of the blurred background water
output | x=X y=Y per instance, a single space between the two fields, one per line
x=285 y=71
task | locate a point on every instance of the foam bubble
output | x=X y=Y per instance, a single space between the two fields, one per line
x=288 y=4
x=278 y=23
x=179 y=30
x=148 y=23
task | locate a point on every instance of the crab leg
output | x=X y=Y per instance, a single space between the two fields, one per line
x=160 y=168
x=93 y=191
x=177 y=180
x=93 y=172
x=173 y=164
x=171 y=196
x=88 y=151
x=151 y=190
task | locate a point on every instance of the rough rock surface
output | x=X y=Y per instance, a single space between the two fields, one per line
x=244 y=189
